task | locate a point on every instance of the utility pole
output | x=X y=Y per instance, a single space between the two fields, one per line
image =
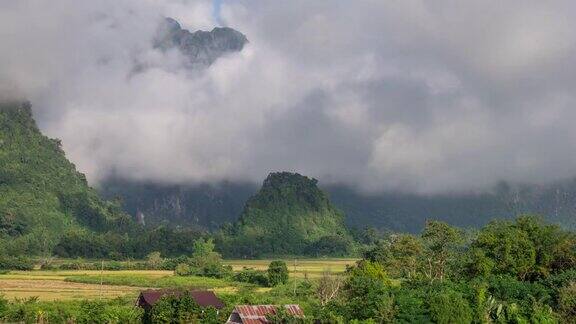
x=294 y=277
x=101 y=278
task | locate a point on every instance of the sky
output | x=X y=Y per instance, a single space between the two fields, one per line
x=413 y=95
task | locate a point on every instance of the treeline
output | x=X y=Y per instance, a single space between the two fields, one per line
x=521 y=271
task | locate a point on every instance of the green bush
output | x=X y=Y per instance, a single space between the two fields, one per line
x=182 y=270
x=252 y=276
x=277 y=273
x=567 y=302
x=16 y=263
x=3 y=306
x=449 y=307
x=92 y=312
x=510 y=289
x=180 y=308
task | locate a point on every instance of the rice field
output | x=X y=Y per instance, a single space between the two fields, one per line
x=91 y=284
x=54 y=289
x=299 y=268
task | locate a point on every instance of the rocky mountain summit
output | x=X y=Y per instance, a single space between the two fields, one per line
x=201 y=48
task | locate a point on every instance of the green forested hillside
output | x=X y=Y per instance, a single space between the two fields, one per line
x=289 y=215
x=41 y=193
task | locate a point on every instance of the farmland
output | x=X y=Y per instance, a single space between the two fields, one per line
x=93 y=284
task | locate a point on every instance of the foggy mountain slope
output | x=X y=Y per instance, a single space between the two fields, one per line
x=209 y=206
x=42 y=195
x=201 y=206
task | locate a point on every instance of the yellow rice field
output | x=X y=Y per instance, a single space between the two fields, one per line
x=53 y=285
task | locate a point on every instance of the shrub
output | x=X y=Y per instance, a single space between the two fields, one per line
x=510 y=289
x=177 y=308
x=567 y=302
x=449 y=307
x=182 y=270
x=252 y=276
x=277 y=273
x=91 y=312
x=154 y=260
x=3 y=306
x=16 y=263
x=113 y=265
x=123 y=314
x=171 y=263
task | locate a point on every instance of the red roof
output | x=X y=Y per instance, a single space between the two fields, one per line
x=256 y=314
x=203 y=298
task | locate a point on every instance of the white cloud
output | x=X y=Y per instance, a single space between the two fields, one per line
x=412 y=95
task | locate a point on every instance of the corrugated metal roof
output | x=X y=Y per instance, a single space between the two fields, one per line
x=256 y=314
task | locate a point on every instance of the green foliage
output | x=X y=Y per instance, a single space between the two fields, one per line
x=567 y=301
x=183 y=269
x=510 y=289
x=440 y=241
x=400 y=254
x=180 y=307
x=107 y=311
x=411 y=306
x=249 y=275
x=154 y=260
x=367 y=294
x=283 y=317
x=204 y=262
x=41 y=193
x=277 y=273
x=152 y=282
x=3 y=306
x=526 y=248
x=449 y=307
x=16 y=263
x=331 y=245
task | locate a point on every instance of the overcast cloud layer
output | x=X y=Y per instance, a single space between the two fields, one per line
x=413 y=95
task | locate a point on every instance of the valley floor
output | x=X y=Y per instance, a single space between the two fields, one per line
x=49 y=285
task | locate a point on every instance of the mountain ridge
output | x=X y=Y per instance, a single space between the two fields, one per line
x=201 y=48
x=41 y=193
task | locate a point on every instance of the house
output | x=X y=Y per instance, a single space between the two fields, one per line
x=203 y=298
x=256 y=314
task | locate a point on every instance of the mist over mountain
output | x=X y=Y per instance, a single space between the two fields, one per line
x=434 y=101
x=209 y=206
x=403 y=96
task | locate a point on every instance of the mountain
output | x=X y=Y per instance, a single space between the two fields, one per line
x=556 y=202
x=209 y=206
x=289 y=215
x=41 y=193
x=201 y=48
x=202 y=206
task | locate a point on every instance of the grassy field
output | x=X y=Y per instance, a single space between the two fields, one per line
x=311 y=268
x=90 y=284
